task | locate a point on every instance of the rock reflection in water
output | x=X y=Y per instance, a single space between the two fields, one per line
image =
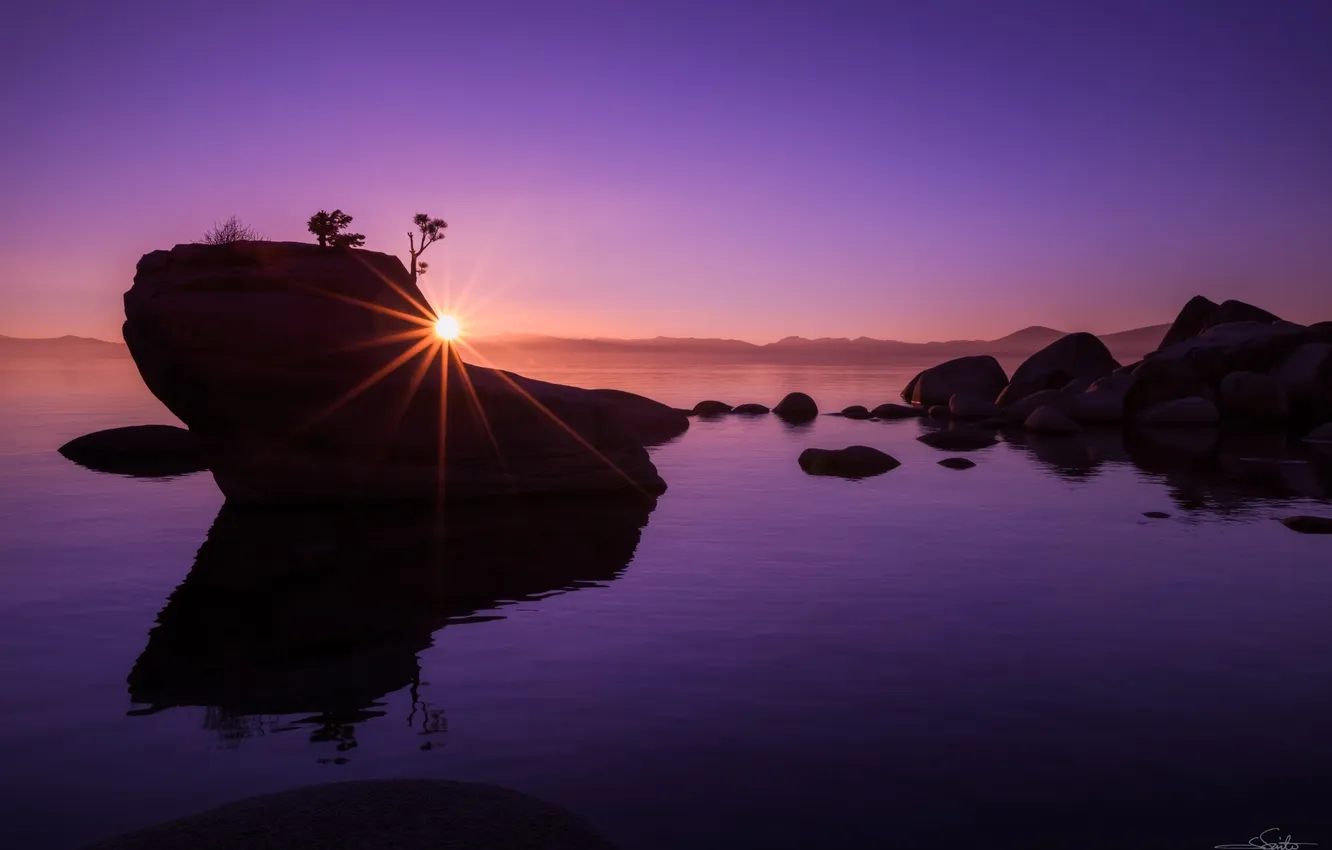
x=322 y=613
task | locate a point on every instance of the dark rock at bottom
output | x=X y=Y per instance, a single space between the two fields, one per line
x=850 y=462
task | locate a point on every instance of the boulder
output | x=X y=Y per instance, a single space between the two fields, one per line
x=897 y=411
x=751 y=410
x=796 y=407
x=1308 y=524
x=1190 y=412
x=1078 y=355
x=958 y=439
x=972 y=407
x=1116 y=383
x=654 y=423
x=1306 y=373
x=1253 y=398
x=1238 y=311
x=856 y=411
x=1190 y=322
x=977 y=375
x=711 y=408
x=850 y=462
x=151 y=451
x=1020 y=410
x=1126 y=370
x=405 y=814
x=957 y=463
x=311 y=375
x=1097 y=406
x=1321 y=434
x=1048 y=420
x=1196 y=367
x=1077 y=385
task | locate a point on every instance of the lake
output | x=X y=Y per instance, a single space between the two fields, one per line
x=1007 y=656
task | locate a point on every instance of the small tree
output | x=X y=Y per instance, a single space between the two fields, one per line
x=328 y=227
x=432 y=230
x=231 y=230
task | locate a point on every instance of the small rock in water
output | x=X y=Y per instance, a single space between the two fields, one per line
x=1308 y=524
x=958 y=440
x=796 y=407
x=856 y=411
x=711 y=408
x=957 y=463
x=850 y=462
x=751 y=410
x=1156 y=514
x=897 y=411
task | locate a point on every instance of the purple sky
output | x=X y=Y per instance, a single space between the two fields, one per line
x=909 y=170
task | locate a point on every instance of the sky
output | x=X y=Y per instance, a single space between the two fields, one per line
x=916 y=171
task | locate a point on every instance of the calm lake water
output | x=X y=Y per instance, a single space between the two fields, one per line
x=1009 y=656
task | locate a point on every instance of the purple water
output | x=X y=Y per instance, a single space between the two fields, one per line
x=1009 y=656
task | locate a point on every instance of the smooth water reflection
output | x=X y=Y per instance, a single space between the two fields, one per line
x=1007 y=656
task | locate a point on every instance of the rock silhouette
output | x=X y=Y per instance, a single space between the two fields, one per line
x=796 y=407
x=150 y=451
x=312 y=375
x=850 y=462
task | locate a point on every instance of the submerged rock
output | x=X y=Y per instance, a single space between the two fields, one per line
x=150 y=451
x=959 y=439
x=1156 y=514
x=796 y=407
x=850 y=462
x=978 y=375
x=1308 y=524
x=855 y=411
x=957 y=463
x=751 y=410
x=311 y=375
x=897 y=411
x=711 y=408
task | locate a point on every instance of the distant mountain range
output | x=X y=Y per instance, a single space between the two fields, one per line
x=61 y=346
x=1125 y=345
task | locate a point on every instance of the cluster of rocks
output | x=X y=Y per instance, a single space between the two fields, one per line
x=1227 y=364
x=794 y=407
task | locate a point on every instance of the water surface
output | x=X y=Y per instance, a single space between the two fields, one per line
x=1009 y=656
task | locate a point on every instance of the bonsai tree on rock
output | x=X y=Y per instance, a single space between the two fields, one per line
x=328 y=227
x=431 y=230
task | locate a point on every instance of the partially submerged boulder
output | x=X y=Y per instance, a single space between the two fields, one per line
x=711 y=408
x=977 y=375
x=855 y=411
x=958 y=439
x=751 y=410
x=312 y=375
x=796 y=407
x=957 y=463
x=1048 y=420
x=1069 y=358
x=150 y=451
x=1020 y=411
x=897 y=411
x=850 y=462
x=1308 y=524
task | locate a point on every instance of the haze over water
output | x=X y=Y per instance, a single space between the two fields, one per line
x=1008 y=656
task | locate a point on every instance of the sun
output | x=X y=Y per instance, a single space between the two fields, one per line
x=448 y=328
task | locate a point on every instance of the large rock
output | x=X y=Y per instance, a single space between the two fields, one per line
x=1191 y=412
x=1072 y=357
x=1190 y=322
x=978 y=375
x=405 y=814
x=1196 y=367
x=1306 y=373
x=1048 y=420
x=796 y=407
x=654 y=422
x=972 y=407
x=151 y=451
x=1254 y=399
x=312 y=375
x=850 y=462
